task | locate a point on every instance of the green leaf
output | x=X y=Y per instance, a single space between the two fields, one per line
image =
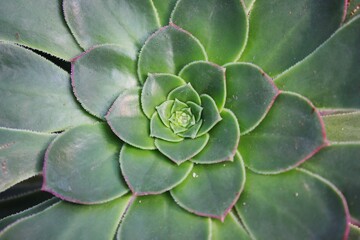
x=221 y=26
x=248 y=5
x=164 y=9
x=340 y=164
x=164 y=111
x=158 y=217
x=294 y=205
x=100 y=74
x=81 y=165
x=128 y=122
x=35 y=94
x=185 y=93
x=210 y=114
x=192 y=131
x=250 y=94
x=70 y=221
x=353 y=9
x=354 y=233
x=39 y=25
x=150 y=172
x=229 y=229
x=159 y=130
x=168 y=51
x=284 y=32
x=126 y=22
x=184 y=150
x=206 y=78
x=327 y=81
x=211 y=190
x=156 y=89
x=223 y=142
x=343 y=127
x=21 y=155
x=291 y=133
x=26 y=213
x=195 y=109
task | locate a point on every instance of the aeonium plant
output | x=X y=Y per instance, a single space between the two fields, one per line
x=216 y=119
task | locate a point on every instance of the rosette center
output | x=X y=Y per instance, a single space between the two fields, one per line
x=183 y=118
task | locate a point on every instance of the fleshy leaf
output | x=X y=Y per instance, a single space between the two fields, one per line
x=211 y=190
x=192 y=131
x=185 y=93
x=223 y=142
x=33 y=210
x=99 y=75
x=128 y=122
x=125 y=22
x=150 y=172
x=293 y=205
x=291 y=133
x=81 y=165
x=21 y=155
x=221 y=26
x=184 y=150
x=250 y=94
x=206 y=78
x=195 y=109
x=340 y=164
x=167 y=51
x=229 y=229
x=159 y=130
x=35 y=94
x=289 y=31
x=327 y=81
x=70 y=221
x=343 y=127
x=37 y=24
x=248 y=5
x=156 y=89
x=164 y=111
x=210 y=114
x=147 y=217
x=164 y=9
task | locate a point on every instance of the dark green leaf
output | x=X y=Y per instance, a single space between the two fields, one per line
x=211 y=190
x=35 y=94
x=185 y=93
x=291 y=133
x=150 y=172
x=158 y=217
x=220 y=25
x=164 y=9
x=81 y=165
x=354 y=233
x=210 y=114
x=329 y=81
x=168 y=51
x=229 y=229
x=128 y=122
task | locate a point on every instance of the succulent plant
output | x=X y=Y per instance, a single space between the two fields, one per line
x=206 y=119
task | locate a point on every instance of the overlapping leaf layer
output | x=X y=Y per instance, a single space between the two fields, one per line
x=182 y=119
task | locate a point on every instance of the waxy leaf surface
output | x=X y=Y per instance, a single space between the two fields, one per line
x=291 y=132
x=283 y=32
x=128 y=122
x=340 y=164
x=70 y=221
x=126 y=22
x=37 y=24
x=329 y=82
x=185 y=93
x=167 y=51
x=250 y=94
x=229 y=229
x=184 y=150
x=81 y=165
x=211 y=190
x=343 y=127
x=150 y=172
x=223 y=142
x=220 y=25
x=206 y=78
x=158 y=217
x=164 y=9
x=35 y=94
x=100 y=75
x=159 y=130
x=21 y=155
x=304 y=205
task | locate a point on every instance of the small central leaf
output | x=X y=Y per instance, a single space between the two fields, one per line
x=183 y=118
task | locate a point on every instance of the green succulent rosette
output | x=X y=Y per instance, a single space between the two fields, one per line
x=217 y=119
